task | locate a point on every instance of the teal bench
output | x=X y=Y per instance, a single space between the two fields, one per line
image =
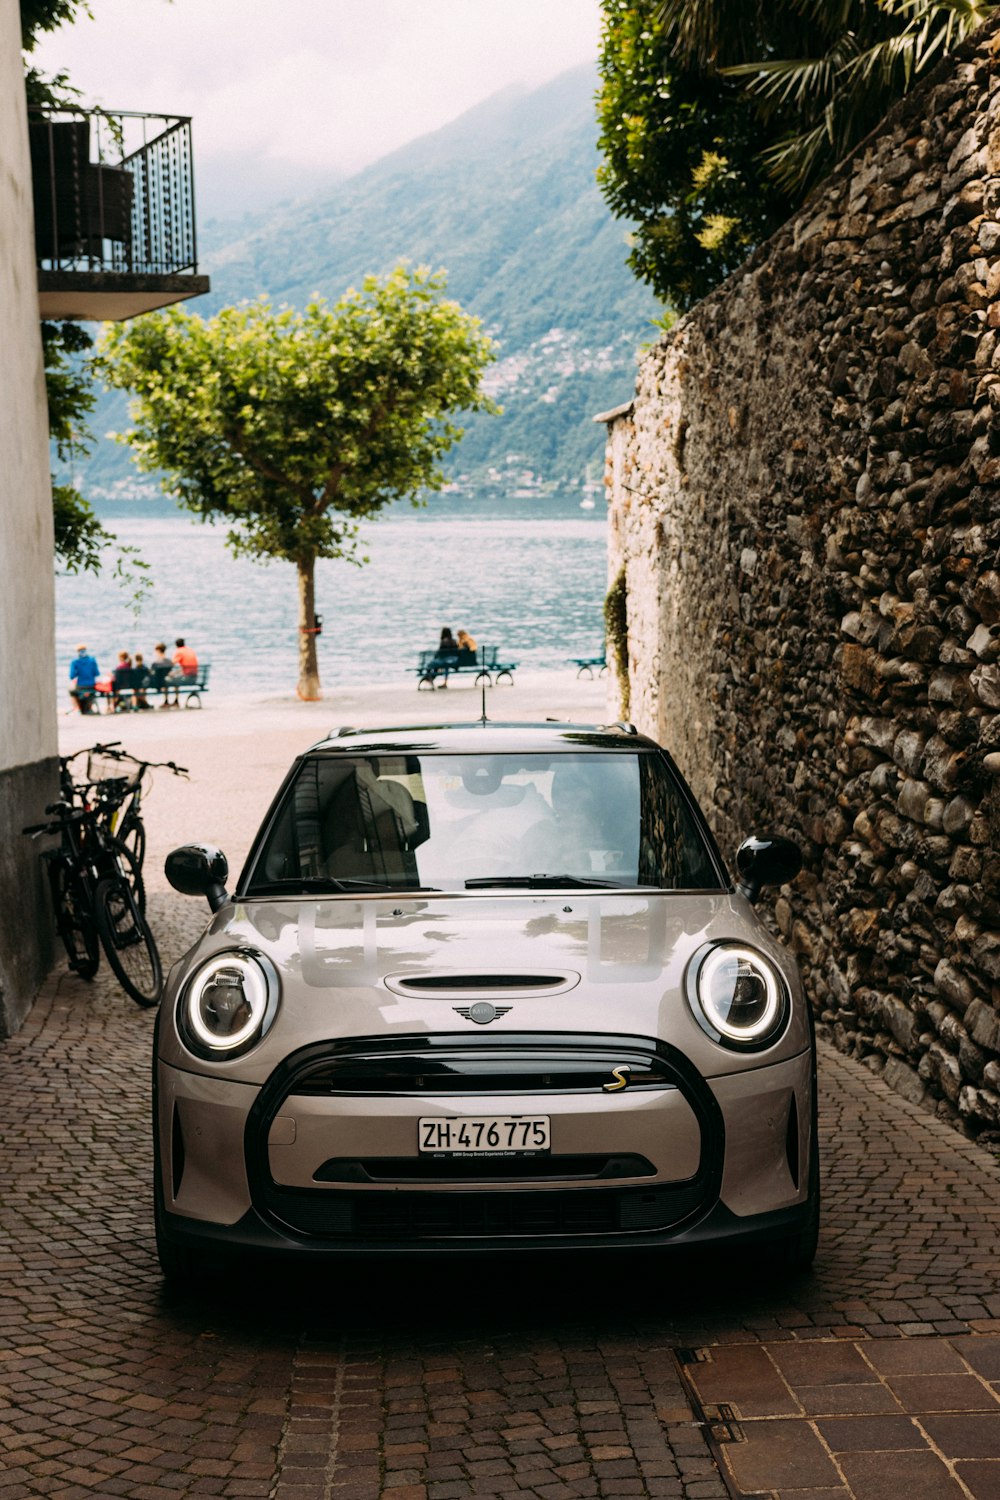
x=589 y=664
x=189 y=688
x=434 y=668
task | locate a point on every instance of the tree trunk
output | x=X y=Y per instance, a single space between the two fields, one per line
x=309 y=684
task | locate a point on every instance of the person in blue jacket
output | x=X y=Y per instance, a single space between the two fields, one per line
x=83 y=675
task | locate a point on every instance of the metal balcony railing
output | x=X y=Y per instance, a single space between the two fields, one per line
x=113 y=191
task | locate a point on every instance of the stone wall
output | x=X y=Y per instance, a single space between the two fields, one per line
x=804 y=495
x=28 y=770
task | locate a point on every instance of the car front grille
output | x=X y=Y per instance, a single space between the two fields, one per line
x=412 y=1216
x=450 y=1200
x=471 y=1068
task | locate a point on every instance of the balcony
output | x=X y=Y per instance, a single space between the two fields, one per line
x=114 y=212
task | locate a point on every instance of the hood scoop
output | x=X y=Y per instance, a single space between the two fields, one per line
x=494 y=982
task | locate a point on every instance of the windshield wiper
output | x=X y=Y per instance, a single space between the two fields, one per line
x=318 y=884
x=540 y=882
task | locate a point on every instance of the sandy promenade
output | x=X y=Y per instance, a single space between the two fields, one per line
x=239 y=748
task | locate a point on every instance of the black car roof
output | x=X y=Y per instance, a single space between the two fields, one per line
x=478 y=738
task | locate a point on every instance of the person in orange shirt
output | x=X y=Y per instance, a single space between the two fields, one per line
x=185 y=665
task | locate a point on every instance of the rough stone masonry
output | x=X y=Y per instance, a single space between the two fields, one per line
x=804 y=497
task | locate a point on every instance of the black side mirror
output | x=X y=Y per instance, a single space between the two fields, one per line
x=768 y=860
x=199 y=870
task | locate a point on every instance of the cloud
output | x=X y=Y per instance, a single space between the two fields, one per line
x=322 y=86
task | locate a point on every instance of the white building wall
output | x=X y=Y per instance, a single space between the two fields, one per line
x=27 y=603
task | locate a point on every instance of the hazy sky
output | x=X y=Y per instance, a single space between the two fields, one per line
x=305 y=90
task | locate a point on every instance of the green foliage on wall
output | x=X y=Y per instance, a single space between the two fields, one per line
x=616 y=632
x=719 y=117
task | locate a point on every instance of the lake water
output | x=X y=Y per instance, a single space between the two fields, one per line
x=530 y=577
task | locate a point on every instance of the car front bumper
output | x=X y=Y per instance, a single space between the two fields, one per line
x=716 y=1161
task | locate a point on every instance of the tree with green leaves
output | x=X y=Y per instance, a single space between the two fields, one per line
x=79 y=535
x=719 y=117
x=82 y=544
x=296 y=426
x=679 y=144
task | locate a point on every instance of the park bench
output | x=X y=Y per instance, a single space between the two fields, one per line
x=191 y=688
x=590 y=664
x=434 y=668
x=188 y=688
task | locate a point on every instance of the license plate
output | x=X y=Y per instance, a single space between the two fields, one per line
x=484 y=1135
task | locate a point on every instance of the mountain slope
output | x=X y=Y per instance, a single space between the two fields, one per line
x=504 y=198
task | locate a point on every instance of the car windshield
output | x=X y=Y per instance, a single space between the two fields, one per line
x=468 y=822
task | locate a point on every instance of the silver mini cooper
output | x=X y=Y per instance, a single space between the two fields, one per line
x=484 y=987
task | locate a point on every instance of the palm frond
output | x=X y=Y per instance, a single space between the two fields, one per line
x=793 y=160
x=791 y=80
x=839 y=96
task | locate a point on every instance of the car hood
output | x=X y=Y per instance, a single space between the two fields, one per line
x=608 y=962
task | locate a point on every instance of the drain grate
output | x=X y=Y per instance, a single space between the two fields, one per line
x=718 y=1424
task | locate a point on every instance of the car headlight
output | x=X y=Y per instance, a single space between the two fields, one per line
x=738 y=996
x=228 y=1005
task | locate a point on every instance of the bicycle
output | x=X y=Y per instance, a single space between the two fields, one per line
x=91 y=877
x=105 y=795
x=123 y=814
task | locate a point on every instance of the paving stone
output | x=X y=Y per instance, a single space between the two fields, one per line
x=981 y=1477
x=779 y=1453
x=744 y=1377
x=965 y=1436
x=932 y=1393
x=845 y=1400
x=928 y=1357
x=870 y=1434
x=821 y=1364
x=982 y=1354
x=909 y=1476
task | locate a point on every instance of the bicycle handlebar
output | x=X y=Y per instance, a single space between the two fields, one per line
x=162 y=765
x=114 y=751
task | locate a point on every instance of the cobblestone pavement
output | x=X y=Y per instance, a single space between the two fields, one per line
x=876 y=1376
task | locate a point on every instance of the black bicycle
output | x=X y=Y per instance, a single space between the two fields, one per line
x=118 y=780
x=92 y=877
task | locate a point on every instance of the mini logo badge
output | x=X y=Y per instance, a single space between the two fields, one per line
x=620 y=1076
x=482 y=1012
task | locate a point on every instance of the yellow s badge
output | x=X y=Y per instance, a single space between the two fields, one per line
x=619 y=1075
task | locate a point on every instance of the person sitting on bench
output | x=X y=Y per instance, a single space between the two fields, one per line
x=121 y=681
x=159 y=669
x=466 y=647
x=447 y=648
x=185 y=669
x=83 y=675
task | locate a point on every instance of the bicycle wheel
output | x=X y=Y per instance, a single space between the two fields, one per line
x=132 y=833
x=129 y=866
x=127 y=940
x=74 y=920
